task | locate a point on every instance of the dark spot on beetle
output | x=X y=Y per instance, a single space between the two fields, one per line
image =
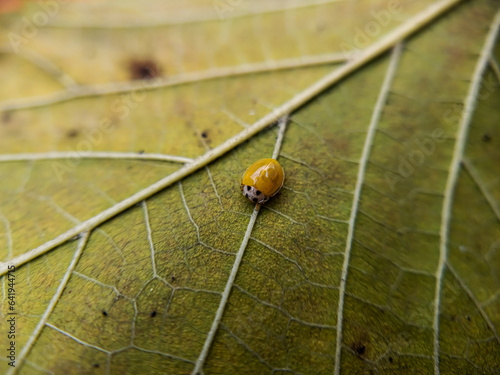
x=486 y=137
x=258 y=192
x=246 y=195
x=140 y=152
x=96 y=365
x=255 y=199
x=143 y=69
x=390 y=359
x=72 y=133
x=104 y=313
x=204 y=134
x=248 y=188
x=6 y=117
x=153 y=314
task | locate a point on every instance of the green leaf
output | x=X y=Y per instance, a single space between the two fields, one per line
x=124 y=132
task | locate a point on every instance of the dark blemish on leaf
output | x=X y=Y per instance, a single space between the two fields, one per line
x=144 y=69
x=468 y=318
x=140 y=152
x=96 y=365
x=486 y=137
x=153 y=314
x=204 y=134
x=390 y=359
x=72 y=133
x=6 y=117
x=173 y=278
x=359 y=348
x=104 y=313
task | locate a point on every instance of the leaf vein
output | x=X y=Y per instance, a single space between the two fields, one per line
x=50 y=307
x=92 y=155
x=485 y=316
x=198 y=369
x=454 y=170
x=472 y=171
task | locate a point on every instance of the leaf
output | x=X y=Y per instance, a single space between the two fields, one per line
x=125 y=129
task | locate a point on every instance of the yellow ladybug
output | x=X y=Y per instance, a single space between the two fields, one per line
x=262 y=180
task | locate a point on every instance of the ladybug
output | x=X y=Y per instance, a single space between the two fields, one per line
x=262 y=180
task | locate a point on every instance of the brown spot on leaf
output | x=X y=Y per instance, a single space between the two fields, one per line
x=6 y=116
x=204 y=134
x=72 y=133
x=486 y=137
x=359 y=348
x=144 y=69
x=361 y=343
